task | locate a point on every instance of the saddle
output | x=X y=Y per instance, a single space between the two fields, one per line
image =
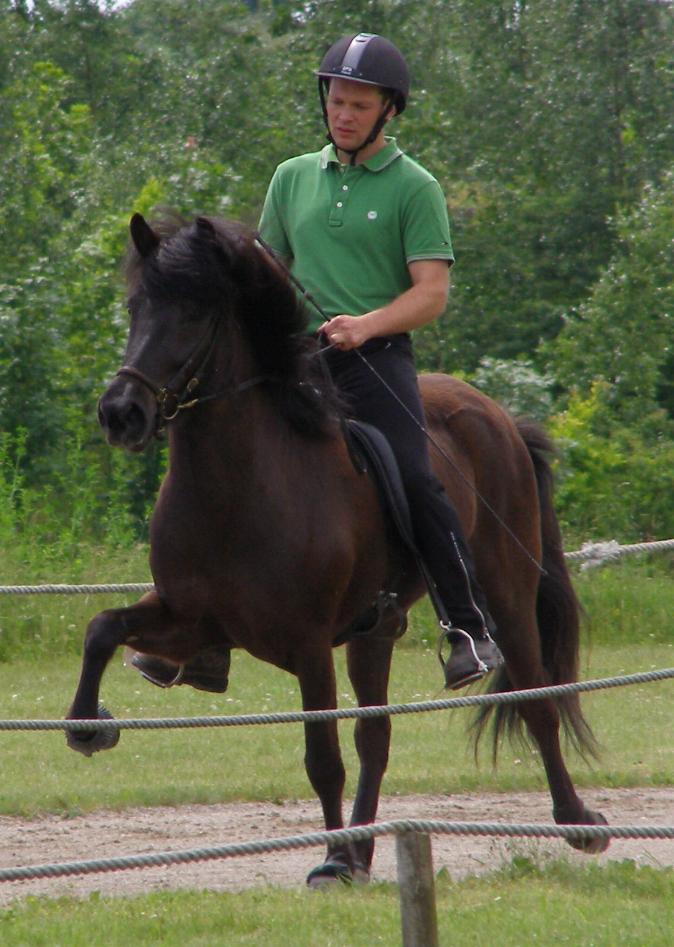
x=371 y=453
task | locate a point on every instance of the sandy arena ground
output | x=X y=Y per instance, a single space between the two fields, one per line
x=141 y=831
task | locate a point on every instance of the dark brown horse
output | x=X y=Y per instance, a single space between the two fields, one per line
x=265 y=536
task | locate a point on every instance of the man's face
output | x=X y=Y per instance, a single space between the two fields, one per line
x=352 y=108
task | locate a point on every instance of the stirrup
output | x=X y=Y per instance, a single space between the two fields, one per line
x=155 y=670
x=449 y=629
x=470 y=658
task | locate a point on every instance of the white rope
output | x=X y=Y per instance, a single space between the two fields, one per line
x=338 y=837
x=596 y=554
x=340 y=713
x=591 y=553
x=138 y=587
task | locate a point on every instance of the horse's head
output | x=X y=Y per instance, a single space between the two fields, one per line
x=209 y=311
x=176 y=307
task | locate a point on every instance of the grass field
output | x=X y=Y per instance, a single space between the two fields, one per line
x=523 y=903
x=629 y=610
x=430 y=752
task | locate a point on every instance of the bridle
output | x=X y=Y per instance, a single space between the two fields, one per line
x=174 y=396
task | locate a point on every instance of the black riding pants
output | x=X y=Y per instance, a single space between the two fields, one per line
x=435 y=522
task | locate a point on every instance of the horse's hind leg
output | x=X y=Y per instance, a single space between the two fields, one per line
x=105 y=632
x=542 y=718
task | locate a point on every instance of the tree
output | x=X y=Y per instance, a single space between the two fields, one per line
x=43 y=148
x=622 y=334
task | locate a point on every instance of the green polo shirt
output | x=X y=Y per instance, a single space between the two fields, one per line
x=349 y=233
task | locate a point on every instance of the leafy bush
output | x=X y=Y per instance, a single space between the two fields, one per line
x=614 y=480
x=517 y=385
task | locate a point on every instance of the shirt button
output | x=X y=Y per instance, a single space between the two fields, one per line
x=339 y=203
x=345 y=187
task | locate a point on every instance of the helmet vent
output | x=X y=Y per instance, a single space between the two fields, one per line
x=354 y=53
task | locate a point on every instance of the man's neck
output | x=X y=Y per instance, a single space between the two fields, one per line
x=369 y=151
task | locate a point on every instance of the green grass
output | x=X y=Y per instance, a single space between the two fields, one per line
x=630 y=601
x=42 y=626
x=523 y=903
x=627 y=602
x=430 y=752
x=629 y=607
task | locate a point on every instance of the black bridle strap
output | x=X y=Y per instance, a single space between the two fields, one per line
x=184 y=381
x=162 y=394
x=139 y=376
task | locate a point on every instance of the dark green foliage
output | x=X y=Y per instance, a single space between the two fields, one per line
x=549 y=124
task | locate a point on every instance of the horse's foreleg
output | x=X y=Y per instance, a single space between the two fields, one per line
x=105 y=633
x=369 y=664
x=323 y=760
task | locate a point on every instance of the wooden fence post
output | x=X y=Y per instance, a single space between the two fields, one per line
x=417 y=890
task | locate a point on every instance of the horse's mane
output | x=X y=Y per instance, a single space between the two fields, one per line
x=217 y=265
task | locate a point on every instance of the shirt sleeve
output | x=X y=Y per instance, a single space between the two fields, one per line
x=426 y=234
x=271 y=226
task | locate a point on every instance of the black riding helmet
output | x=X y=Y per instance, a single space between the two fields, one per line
x=373 y=60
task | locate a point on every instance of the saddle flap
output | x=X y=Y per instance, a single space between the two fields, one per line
x=375 y=456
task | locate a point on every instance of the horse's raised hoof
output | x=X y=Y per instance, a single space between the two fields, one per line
x=337 y=871
x=89 y=742
x=590 y=846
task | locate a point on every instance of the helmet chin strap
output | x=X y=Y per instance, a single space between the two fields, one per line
x=374 y=131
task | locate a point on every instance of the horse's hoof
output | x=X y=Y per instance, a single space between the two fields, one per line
x=360 y=875
x=89 y=742
x=330 y=873
x=591 y=846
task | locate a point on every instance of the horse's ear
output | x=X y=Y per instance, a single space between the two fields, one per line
x=205 y=225
x=144 y=238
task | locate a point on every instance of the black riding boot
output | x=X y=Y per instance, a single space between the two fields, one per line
x=207 y=671
x=455 y=592
x=470 y=659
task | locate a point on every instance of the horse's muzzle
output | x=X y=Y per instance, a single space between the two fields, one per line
x=127 y=412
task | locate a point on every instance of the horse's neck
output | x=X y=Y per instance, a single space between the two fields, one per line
x=235 y=440
x=223 y=428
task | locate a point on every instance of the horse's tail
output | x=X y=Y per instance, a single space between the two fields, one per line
x=558 y=613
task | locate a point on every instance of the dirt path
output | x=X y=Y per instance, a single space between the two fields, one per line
x=140 y=831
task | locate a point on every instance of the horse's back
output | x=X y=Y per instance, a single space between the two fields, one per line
x=484 y=464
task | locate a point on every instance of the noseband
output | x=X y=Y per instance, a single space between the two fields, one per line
x=171 y=397
x=174 y=397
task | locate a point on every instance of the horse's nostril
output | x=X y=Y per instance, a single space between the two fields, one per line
x=122 y=418
x=135 y=417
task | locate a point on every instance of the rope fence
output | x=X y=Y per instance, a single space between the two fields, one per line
x=595 y=554
x=417 y=899
x=591 y=554
x=341 y=713
x=334 y=838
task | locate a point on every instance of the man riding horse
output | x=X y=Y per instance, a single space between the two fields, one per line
x=364 y=228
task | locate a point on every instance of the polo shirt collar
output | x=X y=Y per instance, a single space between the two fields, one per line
x=377 y=162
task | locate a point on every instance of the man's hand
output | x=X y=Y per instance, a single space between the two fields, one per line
x=346 y=332
x=423 y=302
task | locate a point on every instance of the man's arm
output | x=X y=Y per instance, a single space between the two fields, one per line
x=424 y=301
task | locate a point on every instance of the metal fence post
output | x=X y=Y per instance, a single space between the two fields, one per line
x=417 y=890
